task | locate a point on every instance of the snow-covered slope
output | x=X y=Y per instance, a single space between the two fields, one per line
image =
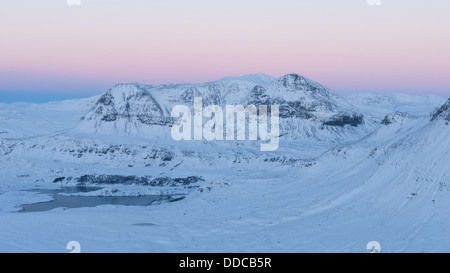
x=391 y=187
x=22 y=120
x=338 y=180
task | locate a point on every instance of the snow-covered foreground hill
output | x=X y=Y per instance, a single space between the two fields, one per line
x=330 y=187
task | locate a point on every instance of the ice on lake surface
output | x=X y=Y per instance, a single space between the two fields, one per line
x=76 y=201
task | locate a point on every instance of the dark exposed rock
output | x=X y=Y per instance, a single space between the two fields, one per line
x=62 y=179
x=166 y=199
x=258 y=96
x=136 y=180
x=442 y=112
x=386 y=121
x=107 y=99
x=153 y=120
x=353 y=120
x=59 y=179
x=294 y=109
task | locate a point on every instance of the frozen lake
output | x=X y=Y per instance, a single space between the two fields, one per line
x=76 y=201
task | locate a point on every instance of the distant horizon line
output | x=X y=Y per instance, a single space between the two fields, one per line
x=38 y=97
x=42 y=98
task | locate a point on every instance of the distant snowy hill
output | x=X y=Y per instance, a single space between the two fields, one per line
x=379 y=105
x=21 y=120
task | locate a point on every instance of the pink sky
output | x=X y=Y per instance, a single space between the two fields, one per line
x=400 y=46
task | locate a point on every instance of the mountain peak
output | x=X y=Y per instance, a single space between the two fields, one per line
x=294 y=82
x=442 y=112
x=292 y=79
x=125 y=91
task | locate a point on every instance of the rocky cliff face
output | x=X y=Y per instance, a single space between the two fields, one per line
x=442 y=112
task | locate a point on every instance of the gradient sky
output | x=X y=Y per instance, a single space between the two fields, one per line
x=50 y=50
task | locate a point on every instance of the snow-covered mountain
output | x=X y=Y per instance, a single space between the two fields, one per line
x=308 y=110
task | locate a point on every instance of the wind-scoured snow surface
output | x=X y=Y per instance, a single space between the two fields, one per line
x=349 y=170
